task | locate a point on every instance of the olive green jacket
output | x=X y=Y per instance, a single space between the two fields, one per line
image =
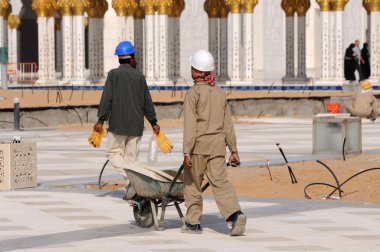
x=208 y=127
x=125 y=101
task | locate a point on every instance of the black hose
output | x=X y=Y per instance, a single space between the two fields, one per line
x=292 y=176
x=344 y=145
x=333 y=174
x=339 y=186
x=100 y=175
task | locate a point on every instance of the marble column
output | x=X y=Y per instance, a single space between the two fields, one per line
x=129 y=28
x=163 y=74
x=177 y=48
x=121 y=32
x=301 y=75
x=213 y=40
x=325 y=45
x=248 y=44
x=67 y=48
x=171 y=45
x=51 y=48
x=139 y=39
x=95 y=39
x=14 y=23
x=235 y=47
x=375 y=44
x=149 y=47
x=289 y=47
x=79 y=49
x=58 y=46
x=223 y=75
x=302 y=6
x=3 y=44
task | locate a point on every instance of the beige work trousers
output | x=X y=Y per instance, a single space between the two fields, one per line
x=121 y=148
x=214 y=168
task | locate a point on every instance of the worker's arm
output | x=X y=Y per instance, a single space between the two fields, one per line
x=375 y=107
x=149 y=111
x=190 y=125
x=105 y=104
x=229 y=131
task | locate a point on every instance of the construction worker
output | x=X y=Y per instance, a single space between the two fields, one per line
x=124 y=103
x=364 y=103
x=208 y=128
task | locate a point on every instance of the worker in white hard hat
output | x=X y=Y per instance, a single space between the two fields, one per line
x=364 y=103
x=208 y=128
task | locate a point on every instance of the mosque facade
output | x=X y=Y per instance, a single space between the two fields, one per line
x=254 y=42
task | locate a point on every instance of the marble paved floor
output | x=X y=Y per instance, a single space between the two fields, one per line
x=55 y=218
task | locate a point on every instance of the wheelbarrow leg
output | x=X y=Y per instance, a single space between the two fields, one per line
x=180 y=212
x=154 y=213
x=165 y=202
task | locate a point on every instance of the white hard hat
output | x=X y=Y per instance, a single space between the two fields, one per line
x=202 y=60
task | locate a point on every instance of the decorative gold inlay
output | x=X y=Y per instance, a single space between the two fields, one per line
x=212 y=8
x=324 y=5
x=124 y=7
x=302 y=6
x=80 y=6
x=148 y=6
x=371 y=5
x=4 y=8
x=289 y=7
x=249 y=5
x=65 y=7
x=179 y=6
x=14 y=22
x=338 y=5
x=97 y=8
x=234 y=5
x=44 y=8
x=163 y=6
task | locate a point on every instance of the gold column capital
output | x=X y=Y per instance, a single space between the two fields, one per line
x=234 y=5
x=139 y=13
x=64 y=7
x=80 y=6
x=289 y=7
x=148 y=6
x=97 y=8
x=179 y=6
x=324 y=5
x=371 y=5
x=14 y=22
x=338 y=5
x=212 y=9
x=302 y=6
x=163 y=6
x=249 y=5
x=44 y=8
x=4 y=8
x=224 y=10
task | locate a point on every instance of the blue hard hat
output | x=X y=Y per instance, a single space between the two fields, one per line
x=124 y=48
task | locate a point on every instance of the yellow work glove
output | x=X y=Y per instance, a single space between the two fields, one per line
x=95 y=138
x=164 y=143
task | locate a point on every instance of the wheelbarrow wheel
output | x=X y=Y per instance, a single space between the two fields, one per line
x=143 y=215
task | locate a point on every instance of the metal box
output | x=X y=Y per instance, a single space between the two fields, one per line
x=18 y=166
x=329 y=132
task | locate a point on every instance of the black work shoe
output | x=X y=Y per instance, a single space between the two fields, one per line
x=238 y=223
x=191 y=229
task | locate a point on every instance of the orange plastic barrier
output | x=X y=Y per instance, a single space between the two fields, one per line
x=333 y=107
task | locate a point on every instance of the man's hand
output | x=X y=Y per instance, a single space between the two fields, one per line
x=187 y=162
x=156 y=128
x=234 y=159
x=98 y=127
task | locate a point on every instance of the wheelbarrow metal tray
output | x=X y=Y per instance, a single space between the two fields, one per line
x=151 y=188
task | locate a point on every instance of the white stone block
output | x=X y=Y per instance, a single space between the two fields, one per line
x=18 y=166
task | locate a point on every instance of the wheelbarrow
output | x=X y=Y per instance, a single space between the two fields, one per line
x=150 y=189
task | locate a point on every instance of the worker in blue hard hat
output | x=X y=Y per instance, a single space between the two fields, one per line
x=124 y=103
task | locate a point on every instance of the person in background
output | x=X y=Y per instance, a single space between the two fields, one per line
x=365 y=64
x=358 y=59
x=364 y=103
x=208 y=128
x=349 y=64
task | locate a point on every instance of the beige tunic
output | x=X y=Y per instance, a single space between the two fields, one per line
x=208 y=127
x=364 y=105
